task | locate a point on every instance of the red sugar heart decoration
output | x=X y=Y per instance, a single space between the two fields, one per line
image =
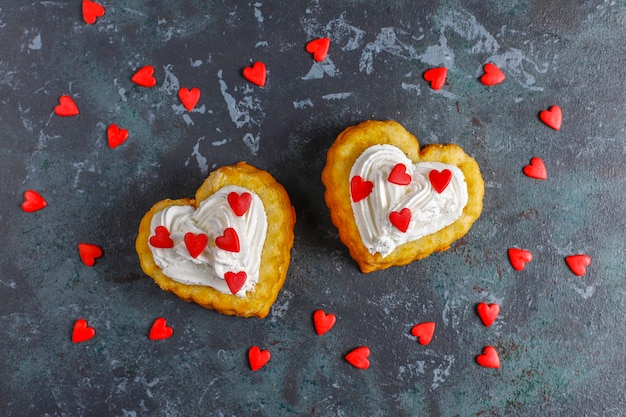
x=536 y=169
x=552 y=117
x=319 y=48
x=160 y=330
x=424 y=332
x=91 y=11
x=82 y=332
x=359 y=357
x=440 y=179
x=195 y=243
x=401 y=219
x=360 y=189
x=578 y=263
x=144 y=77
x=66 y=107
x=89 y=253
x=493 y=75
x=489 y=358
x=258 y=358
x=229 y=241
x=33 y=201
x=436 y=77
x=235 y=280
x=116 y=136
x=239 y=203
x=256 y=73
x=161 y=238
x=323 y=322
x=399 y=176
x=488 y=313
x=188 y=97
x=519 y=258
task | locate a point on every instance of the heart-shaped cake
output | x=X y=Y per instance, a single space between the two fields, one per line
x=394 y=203
x=229 y=248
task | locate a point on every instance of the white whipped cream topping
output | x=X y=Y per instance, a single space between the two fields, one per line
x=212 y=217
x=431 y=211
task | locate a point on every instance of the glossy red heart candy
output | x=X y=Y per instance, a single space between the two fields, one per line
x=440 y=179
x=436 y=77
x=256 y=73
x=82 y=332
x=489 y=358
x=359 y=357
x=66 y=107
x=33 y=201
x=91 y=11
x=160 y=330
x=553 y=117
x=360 y=189
x=519 y=258
x=488 y=313
x=189 y=97
x=536 y=169
x=161 y=238
x=399 y=176
x=424 y=332
x=235 y=280
x=229 y=241
x=319 y=48
x=578 y=263
x=492 y=76
x=144 y=77
x=89 y=253
x=239 y=203
x=401 y=219
x=116 y=136
x=323 y=322
x=195 y=243
x=258 y=358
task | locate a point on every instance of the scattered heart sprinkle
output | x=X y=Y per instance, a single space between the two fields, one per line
x=229 y=241
x=258 y=358
x=160 y=330
x=92 y=11
x=319 y=48
x=235 y=280
x=66 y=107
x=488 y=313
x=145 y=77
x=578 y=263
x=195 y=243
x=424 y=332
x=82 y=332
x=116 y=136
x=436 y=77
x=33 y=201
x=323 y=321
x=492 y=75
x=552 y=117
x=161 y=238
x=359 y=357
x=189 y=97
x=440 y=179
x=489 y=358
x=256 y=73
x=239 y=203
x=519 y=258
x=89 y=253
x=401 y=219
x=360 y=189
x=536 y=169
x=399 y=176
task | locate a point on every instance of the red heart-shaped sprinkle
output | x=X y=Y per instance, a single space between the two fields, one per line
x=440 y=179
x=258 y=358
x=488 y=313
x=195 y=243
x=91 y=11
x=424 y=332
x=536 y=169
x=33 y=201
x=319 y=48
x=360 y=189
x=401 y=219
x=359 y=357
x=519 y=258
x=493 y=75
x=82 y=332
x=160 y=330
x=553 y=117
x=399 y=176
x=578 y=263
x=256 y=73
x=188 y=97
x=144 y=76
x=323 y=322
x=161 y=238
x=66 y=107
x=436 y=77
x=116 y=136
x=489 y=358
x=239 y=203
x=229 y=241
x=235 y=280
x=89 y=253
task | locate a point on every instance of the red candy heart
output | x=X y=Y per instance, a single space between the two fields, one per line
x=161 y=238
x=33 y=201
x=256 y=73
x=319 y=48
x=536 y=169
x=188 y=97
x=235 y=280
x=436 y=77
x=116 y=136
x=489 y=358
x=258 y=358
x=578 y=263
x=89 y=253
x=229 y=241
x=160 y=330
x=323 y=322
x=66 y=107
x=91 y=11
x=440 y=179
x=399 y=176
x=492 y=76
x=360 y=189
x=239 y=203
x=195 y=243
x=144 y=76
x=401 y=219
x=488 y=313
x=552 y=117
x=359 y=357
x=519 y=258
x=424 y=332
x=82 y=332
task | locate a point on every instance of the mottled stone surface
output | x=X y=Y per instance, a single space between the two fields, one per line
x=561 y=338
